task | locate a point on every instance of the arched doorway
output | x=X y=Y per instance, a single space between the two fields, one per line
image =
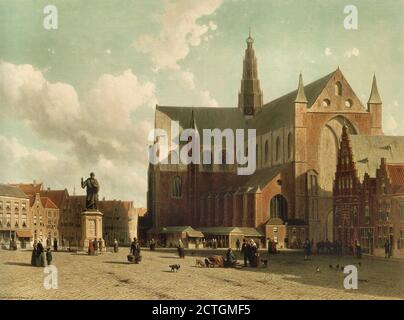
x=329 y=145
x=278 y=207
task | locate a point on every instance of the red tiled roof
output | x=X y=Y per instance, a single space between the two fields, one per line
x=57 y=196
x=48 y=203
x=29 y=188
x=396 y=174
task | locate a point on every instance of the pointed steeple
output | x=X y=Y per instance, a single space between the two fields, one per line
x=301 y=96
x=250 y=98
x=192 y=122
x=374 y=94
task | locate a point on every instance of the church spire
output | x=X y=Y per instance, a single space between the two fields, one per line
x=301 y=96
x=250 y=98
x=374 y=94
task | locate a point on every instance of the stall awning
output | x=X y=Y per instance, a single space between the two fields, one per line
x=251 y=232
x=191 y=232
x=24 y=233
x=220 y=231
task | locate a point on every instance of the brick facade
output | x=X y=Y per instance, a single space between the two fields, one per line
x=297 y=144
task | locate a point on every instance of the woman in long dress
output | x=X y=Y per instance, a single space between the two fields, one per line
x=40 y=257
x=33 y=256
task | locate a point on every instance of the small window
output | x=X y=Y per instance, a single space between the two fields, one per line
x=278 y=149
x=290 y=145
x=348 y=103
x=326 y=103
x=402 y=212
x=176 y=191
x=338 y=89
x=266 y=152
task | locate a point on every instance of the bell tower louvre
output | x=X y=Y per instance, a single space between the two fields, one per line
x=250 y=99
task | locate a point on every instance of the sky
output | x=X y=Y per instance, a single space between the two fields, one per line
x=81 y=97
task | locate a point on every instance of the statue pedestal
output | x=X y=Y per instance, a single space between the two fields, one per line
x=91 y=228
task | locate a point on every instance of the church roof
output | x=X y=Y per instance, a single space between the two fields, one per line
x=368 y=150
x=275 y=114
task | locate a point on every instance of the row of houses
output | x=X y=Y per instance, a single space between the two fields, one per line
x=29 y=212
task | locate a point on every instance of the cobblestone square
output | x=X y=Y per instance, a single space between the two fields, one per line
x=109 y=276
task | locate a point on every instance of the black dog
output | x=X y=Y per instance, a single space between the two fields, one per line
x=174 y=267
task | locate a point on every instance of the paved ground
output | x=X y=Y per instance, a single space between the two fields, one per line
x=109 y=276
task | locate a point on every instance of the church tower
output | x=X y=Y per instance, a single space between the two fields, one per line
x=375 y=109
x=250 y=98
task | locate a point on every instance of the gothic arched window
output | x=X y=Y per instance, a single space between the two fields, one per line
x=278 y=149
x=338 y=88
x=266 y=152
x=176 y=190
x=290 y=145
x=278 y=207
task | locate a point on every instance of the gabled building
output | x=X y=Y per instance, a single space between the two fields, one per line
x=15 y=217
x=369 y=193
x=290 y=195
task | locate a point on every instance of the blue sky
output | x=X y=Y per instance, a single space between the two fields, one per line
x=81 y=98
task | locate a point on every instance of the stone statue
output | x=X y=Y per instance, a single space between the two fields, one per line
x=93 y=187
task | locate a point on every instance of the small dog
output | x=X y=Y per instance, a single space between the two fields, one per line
x=264 y=262
x=174 y=267
x=200 y=263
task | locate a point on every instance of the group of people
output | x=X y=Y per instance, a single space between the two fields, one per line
x=249 y=250
x=213 y=243
x=95 y=247
x=329 y=247
x=39 y=257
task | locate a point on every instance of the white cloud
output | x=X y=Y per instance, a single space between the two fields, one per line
x=99 y=126
x=354 y=52
x=187 y=78
x=390 y=124
x=207 y=100
x=212 y=25
x=327 y=52
x=179 y=31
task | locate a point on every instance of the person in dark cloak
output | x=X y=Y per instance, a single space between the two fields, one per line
x=34 y=253
x=245 y=251
x=55 y=245
x=40 y=257
x=48 y=256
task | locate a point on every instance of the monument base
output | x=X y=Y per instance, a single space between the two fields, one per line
x=91 y=228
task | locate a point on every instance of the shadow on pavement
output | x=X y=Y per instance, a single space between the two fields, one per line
x=118 y=262
x=19 y=264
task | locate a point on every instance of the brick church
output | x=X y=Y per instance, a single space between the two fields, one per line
x=290 y=196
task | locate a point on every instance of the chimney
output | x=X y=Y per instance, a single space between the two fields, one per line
x=34 y=183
